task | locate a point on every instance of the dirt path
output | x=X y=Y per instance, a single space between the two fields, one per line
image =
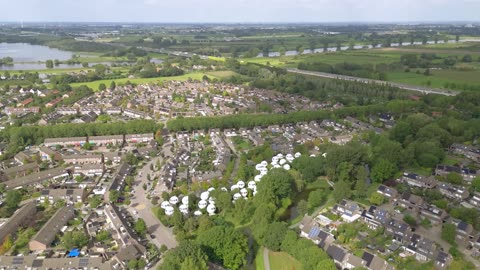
x=266 y=260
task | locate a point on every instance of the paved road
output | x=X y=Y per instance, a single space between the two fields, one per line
x=423 y=90
x=266 y=260
x=143 y=208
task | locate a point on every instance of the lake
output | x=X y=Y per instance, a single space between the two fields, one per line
x=23 y=52
x=28 y=57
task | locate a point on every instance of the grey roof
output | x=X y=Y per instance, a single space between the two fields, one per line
x=47 y=233
x=337 y=253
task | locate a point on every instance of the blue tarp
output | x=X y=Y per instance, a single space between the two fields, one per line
x=74 y=253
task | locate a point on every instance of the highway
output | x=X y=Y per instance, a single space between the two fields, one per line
x=423 y=90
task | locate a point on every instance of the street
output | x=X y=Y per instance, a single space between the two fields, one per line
x=141 y=207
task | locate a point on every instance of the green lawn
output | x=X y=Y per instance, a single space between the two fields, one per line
x=259 y=259
x=283 y=261
x=94 y=85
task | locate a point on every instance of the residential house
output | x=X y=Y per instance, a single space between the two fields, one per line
x=442 y=260
x=434 y=214
x=20 y=218
x=22 y=170
x=375 y=217
x=338 y=254
x=106 y=140
x=89 y=169
x=113 y=110
x=453 y=192
x=467 y=174
x=37 y=178
x=46 y=153
x=471 y=152
x=388 y=192
x=398 y=230
x=75 y=141
x=410 y=201
x=423 y=248
x=83 y=159
x=475 y=200
x=348 y=210
x=47 y=233
x=464 y=231
x=139 y=138
x=67 y=111
x=35 y=262
x=420 y=181
x=22 y=158
x=69 y=195
x=114 y=157
x=373 y=262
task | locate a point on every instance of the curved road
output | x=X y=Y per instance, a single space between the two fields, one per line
x=423 y=90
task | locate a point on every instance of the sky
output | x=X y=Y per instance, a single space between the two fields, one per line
x=239 y=11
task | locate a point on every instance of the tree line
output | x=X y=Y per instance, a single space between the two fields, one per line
x=19 y=137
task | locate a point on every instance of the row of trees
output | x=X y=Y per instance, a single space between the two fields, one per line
x=349 y=69
x=19 y=137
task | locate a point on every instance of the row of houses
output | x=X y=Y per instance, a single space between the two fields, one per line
x=45 y=236
x=100 y=140
x=40 y=263
x=403 y=235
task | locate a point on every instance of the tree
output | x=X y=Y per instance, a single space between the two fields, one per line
x=49 y=64
x=113 y=85
x=13 y=198
x=140 y=227
x=476 y=183
x=187 y=255
x=316 y=198
x=114 y=196
x=6 y=245
x=94 y=201
x=410 y=220
x=225 y=245
x=102 y=87
x=302 y=207
x=75 y=239
x=342 y=190
x=454 y=178
x=275 y=186
x=383 y=170
x=132 y=264
x=449 y=233
x=274 y=235
x=376 y=198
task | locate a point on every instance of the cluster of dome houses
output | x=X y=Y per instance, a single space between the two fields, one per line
x=207 y=202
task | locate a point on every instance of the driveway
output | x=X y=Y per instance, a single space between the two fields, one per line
x=141 y=207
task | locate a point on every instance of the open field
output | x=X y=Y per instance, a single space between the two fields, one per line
x=283 y=261
x=94 y=85
x=462 y=74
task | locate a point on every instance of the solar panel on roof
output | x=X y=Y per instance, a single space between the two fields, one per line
x=45 y=192
x=17 y=260
x=83 y=262
x=314 y=232
x=69 y=191
x=37 y=263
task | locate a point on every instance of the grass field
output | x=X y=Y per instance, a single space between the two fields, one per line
x=437 y=79
x=259 y=259
x=283 y=261
x=221 y=74
x=94 y=85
